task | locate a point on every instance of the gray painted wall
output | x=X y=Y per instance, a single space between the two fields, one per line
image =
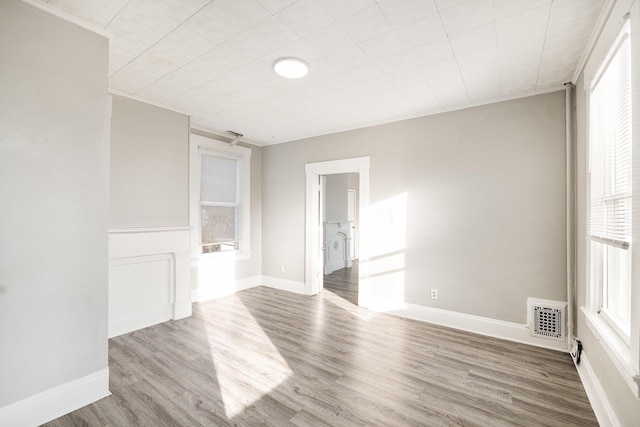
x=149 y=165
x=54 y=177
x=253 y=266
x=336 y=197
x=483 y=190
x=352 y=181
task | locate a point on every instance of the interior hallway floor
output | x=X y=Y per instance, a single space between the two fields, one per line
x=344 y=283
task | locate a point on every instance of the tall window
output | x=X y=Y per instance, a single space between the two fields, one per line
x=219 y=202
x=219 y=197
x=610 y=192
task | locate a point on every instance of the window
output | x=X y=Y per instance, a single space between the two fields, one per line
x=219 y=197
x=610 y=192
x=219 y=207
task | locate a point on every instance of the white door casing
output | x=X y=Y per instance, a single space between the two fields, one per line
x=351 y=217
x=313 y=241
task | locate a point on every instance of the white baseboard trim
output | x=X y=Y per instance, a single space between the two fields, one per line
x=477 y=324
x=330 y=268
x=284 y=284
x=130 y=324
x=597 y=397
x=56 y=402
x=220 y=291
x=248 y=283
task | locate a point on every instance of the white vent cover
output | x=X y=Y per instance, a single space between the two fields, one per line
x=546 y=318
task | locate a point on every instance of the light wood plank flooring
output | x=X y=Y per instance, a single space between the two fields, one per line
x=344 y=283
x=269 y=357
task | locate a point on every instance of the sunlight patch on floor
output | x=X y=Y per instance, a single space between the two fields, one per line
x=262 y=367
x=334 y=298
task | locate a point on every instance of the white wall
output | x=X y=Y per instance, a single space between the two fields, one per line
x=469 y=202
x=54 y=180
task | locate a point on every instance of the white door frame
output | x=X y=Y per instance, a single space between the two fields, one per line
x=313 y=244
x=353 y=243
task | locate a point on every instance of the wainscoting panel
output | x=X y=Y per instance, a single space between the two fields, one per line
x=149 y=277
x=139 y=292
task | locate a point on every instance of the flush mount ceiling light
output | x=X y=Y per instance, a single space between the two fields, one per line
x=291 y=68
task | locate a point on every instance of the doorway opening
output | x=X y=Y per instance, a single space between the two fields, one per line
x=340 y=227
x=315 y=212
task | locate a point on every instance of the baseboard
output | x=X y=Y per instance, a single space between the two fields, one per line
x=214 y=292
x=130 y=324
x=223 y=290
x=56 y=402
x=597 y=397
x=284 y=284
x=477 y=324
x=330 y=268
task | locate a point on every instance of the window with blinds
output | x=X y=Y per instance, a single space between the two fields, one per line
x=610 y=136
x=219 y=202
x=610 y=192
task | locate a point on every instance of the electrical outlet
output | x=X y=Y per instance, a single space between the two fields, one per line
x=434 y=294
x=282 y=268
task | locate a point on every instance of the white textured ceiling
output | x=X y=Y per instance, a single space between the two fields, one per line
x=371 y=61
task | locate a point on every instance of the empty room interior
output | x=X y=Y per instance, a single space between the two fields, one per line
x=319 y=212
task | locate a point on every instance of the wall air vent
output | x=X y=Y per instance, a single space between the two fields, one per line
x=547 y=319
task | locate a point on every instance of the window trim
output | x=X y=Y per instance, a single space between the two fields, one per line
x=237 y=205
x=615 y=347
x=624 y=354
x=603 y=232
x=596 y=284
x=243 y=155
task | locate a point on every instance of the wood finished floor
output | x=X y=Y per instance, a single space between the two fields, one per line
x=269 y=357
x=344 y=283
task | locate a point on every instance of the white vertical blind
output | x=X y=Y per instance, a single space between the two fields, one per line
x=610 y=137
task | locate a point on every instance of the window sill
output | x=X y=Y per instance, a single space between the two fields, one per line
x=616 y=348
x=199 y=260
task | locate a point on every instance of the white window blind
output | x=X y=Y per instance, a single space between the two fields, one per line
x=219 y=177
x=610 y=136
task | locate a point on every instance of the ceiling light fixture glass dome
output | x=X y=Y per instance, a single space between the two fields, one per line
x=291 y=68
